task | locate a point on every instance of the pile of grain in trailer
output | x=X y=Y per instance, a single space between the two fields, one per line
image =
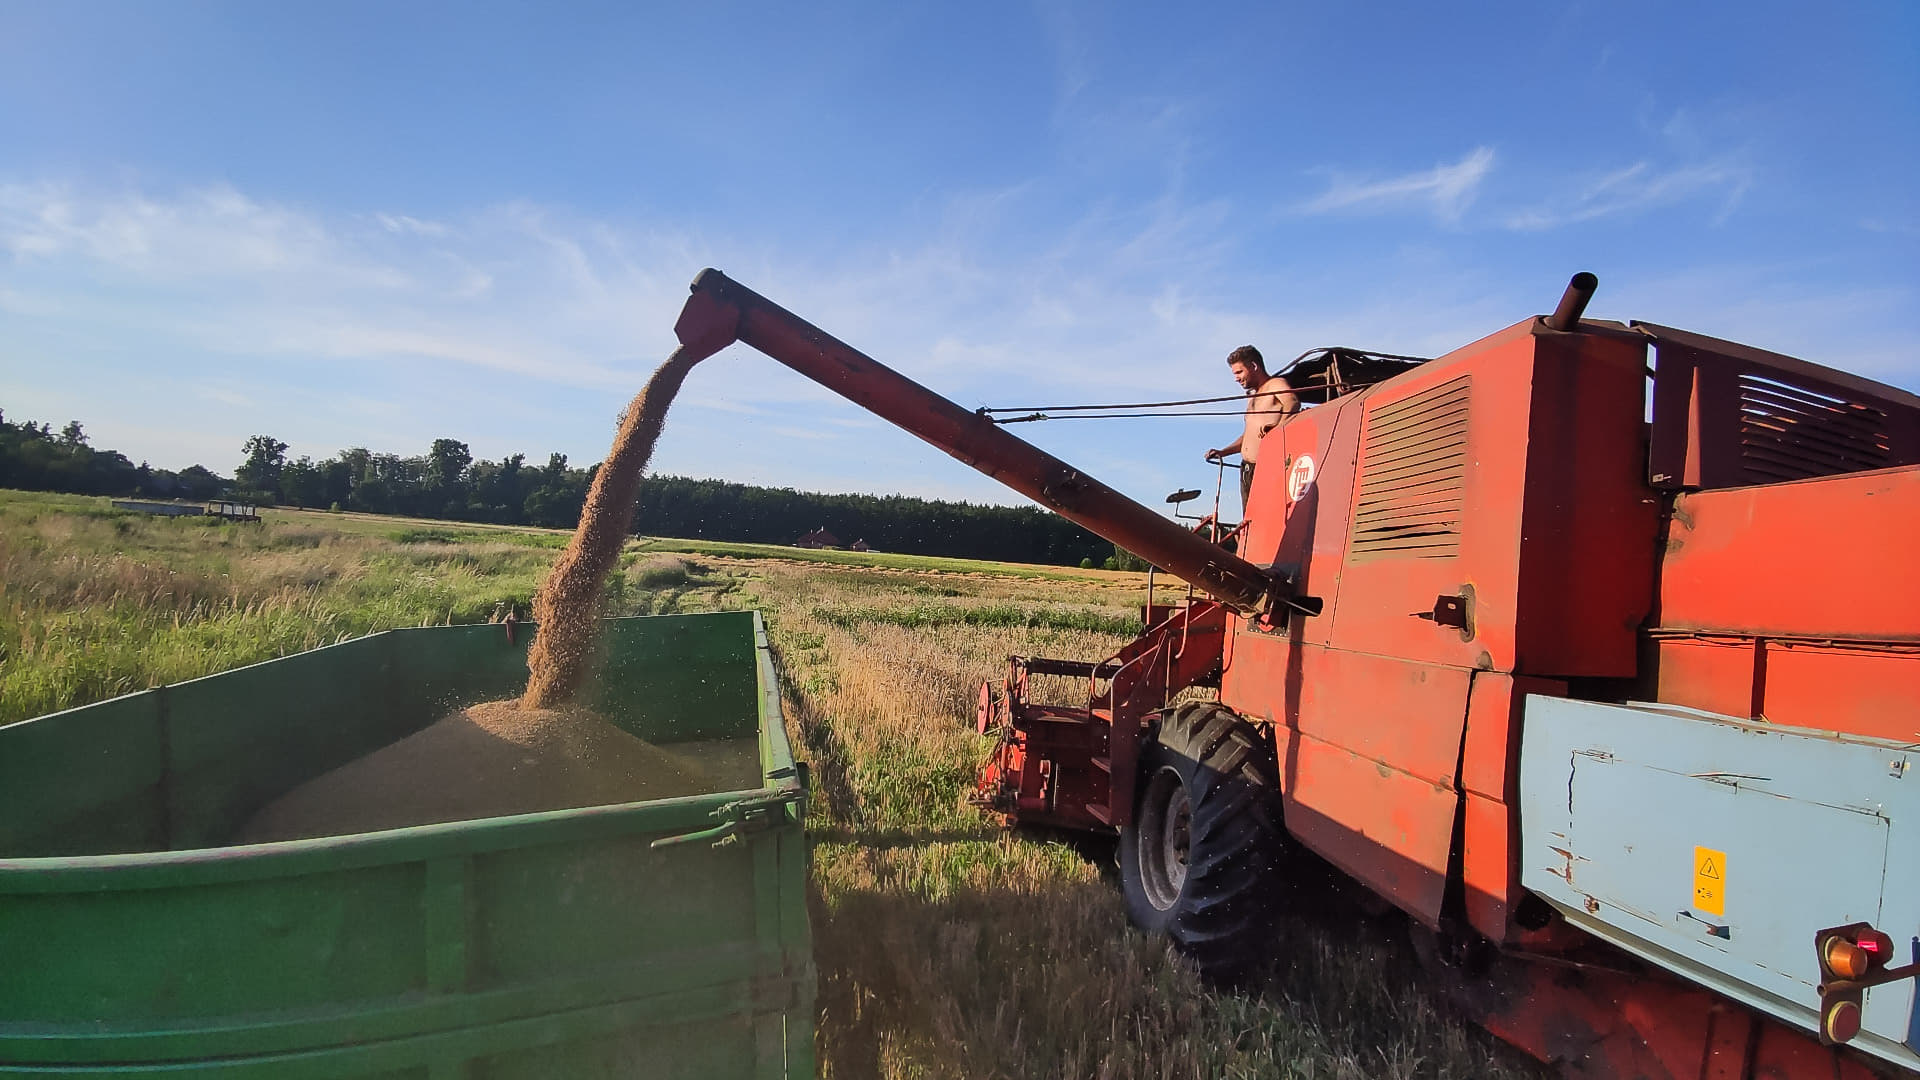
x=536 y=753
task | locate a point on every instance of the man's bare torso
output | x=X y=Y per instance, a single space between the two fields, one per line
x=1263 y=415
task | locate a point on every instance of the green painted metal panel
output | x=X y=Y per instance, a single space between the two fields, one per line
x=238 y=739
x=562 y=943
x=681 y=683
x=85 y=780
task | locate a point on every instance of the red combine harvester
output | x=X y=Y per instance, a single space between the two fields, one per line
x=1593 y=647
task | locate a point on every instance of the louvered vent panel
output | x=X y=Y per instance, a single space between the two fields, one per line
x=1413 y=465
x=1790 y=432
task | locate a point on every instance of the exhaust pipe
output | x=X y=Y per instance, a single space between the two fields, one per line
x=1573 y=302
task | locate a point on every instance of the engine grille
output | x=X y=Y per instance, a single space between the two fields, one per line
x=1790 y=432
x=1413 y=463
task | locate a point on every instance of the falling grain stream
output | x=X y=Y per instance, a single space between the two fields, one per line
x=538 y=752
x=568 y=603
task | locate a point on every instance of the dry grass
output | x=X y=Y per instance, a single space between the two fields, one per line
x=96 y=602
x=946 y=947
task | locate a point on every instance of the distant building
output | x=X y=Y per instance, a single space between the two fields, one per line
x=818 y=538
x=859 y=545
x=164 y=509
x=220 y=508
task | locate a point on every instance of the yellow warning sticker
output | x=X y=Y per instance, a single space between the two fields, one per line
x=1710 y=881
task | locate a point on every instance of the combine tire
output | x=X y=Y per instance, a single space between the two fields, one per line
x=1201 y=861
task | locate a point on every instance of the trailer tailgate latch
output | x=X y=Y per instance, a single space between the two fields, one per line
x=750 y=815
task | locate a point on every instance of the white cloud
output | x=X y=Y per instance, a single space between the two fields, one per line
x=212 y=230
x=401 y=223
x=225 y=395
x=1445 y=190
x=1640 y=187
x=1073 y=52
x=1890 y=226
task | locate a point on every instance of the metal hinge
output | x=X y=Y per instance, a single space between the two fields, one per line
x=757 y=814
x=775 y=992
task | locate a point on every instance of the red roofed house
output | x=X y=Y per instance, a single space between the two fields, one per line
x=818 y=538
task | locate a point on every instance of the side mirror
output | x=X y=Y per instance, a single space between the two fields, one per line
x=1184 y=496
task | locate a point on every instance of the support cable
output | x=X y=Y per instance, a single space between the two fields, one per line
x=1161 y=409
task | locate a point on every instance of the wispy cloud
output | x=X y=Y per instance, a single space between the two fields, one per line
x=211 y=230
x=1890 y=226
x=1640 y=187
x=226 y=396
x=1445 y=190
x=401 y=223
x=1073 y=54
x=523 y=327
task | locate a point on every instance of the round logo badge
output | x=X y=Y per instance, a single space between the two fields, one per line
x=1300 y=478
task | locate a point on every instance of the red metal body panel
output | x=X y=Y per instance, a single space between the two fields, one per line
x=1507 y=474
x=1728 y=415
x=1762 y=561
x=1597 y=1022
x=1405 y=715
x=1074 y=766
x=1489 y=781
x=1179 y=652
x=1490 y=863
x=1382 y=591
x=1718 y=674
x=1590 y=524
x=1368 y=748
x=1865 y=689
x=1315 y=452
x=1546 y=447
x=1389 y=829
x=1758 y=618
x=1042 y=771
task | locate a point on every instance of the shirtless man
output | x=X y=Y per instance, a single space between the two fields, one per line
x=1270 y=401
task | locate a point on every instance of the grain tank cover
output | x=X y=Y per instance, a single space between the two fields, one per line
x=1716 y=848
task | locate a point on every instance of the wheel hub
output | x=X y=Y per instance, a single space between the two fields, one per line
x=1165 y=835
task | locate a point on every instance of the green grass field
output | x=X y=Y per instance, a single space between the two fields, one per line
x=946 y=946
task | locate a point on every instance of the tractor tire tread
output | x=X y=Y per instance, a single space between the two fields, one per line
x=1221 y=920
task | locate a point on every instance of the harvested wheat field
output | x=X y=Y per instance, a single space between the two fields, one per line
x=946 y=947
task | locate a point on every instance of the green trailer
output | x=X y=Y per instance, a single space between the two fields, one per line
x=663 y=938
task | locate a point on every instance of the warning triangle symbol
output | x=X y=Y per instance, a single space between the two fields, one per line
x=1708 y=869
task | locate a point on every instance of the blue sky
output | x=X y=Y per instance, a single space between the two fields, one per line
x=377 y=224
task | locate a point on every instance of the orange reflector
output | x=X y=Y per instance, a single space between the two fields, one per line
x=1845 y=959
x=1842 y=1021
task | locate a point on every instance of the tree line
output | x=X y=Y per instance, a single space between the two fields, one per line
x=719 y=510
x=33 y=457
x=448 y=483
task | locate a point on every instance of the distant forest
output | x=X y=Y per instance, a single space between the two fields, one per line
x=447 y=483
